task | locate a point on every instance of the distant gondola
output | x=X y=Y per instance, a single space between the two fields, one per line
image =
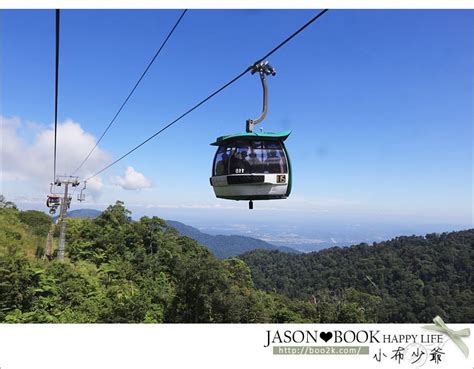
x=53 y=201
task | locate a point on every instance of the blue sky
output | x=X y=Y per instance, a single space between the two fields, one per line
x=380 y=104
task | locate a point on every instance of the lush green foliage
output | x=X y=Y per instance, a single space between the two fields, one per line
x=36 y=220
x=118 y=270
x=15 y=233
x=407 y=279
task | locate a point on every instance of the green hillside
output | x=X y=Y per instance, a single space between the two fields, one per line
x=416 y=278
x=118 y=270
x=124 y=271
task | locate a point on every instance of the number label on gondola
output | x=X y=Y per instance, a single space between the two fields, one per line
x=281 y=178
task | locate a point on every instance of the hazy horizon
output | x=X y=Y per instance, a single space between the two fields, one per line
x=304 y=235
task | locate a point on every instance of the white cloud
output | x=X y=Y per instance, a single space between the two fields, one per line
x=95 y=185
x=132 y=180
x=33 y=162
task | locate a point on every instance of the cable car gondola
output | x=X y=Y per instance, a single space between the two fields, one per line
x=53 y=201
x=252 y=166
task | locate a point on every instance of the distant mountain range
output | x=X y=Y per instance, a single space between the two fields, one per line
x=221 y=246
x=81 y=213
x=226 y=246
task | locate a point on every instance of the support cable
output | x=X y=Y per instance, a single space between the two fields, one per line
x=132 y=91
x=56 y=94
x=250 y=68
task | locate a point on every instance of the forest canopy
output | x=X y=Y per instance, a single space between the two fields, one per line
x=124 y=271
x=415 y=277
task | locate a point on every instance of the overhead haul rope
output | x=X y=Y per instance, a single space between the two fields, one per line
x=56 y=95
x=133 y=90
x=212 y=94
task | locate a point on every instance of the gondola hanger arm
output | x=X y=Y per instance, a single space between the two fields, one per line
x=264 y=69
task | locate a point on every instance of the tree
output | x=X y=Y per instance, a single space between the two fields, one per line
x=119 y=270
x=38 y=221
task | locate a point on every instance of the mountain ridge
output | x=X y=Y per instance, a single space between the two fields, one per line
x=224 y=246
x=82 y=213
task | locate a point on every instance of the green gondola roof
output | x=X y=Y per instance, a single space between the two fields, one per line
x=254 y=135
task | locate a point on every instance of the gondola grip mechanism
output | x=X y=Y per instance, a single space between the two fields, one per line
x=264 y=69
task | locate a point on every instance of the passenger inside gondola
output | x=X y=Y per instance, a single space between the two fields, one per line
x=245 y=162
x=245 y=157
x=255 y=163
x=222 y=165
x=239 y=163
x=273 y=163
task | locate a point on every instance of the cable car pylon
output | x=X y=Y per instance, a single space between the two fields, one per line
x=64 y=203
